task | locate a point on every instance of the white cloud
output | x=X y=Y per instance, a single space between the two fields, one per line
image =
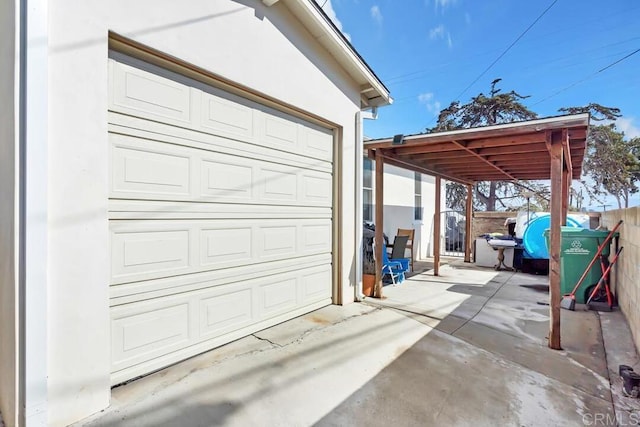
x=376 y=14
x=444 y=4
x=428 y=99
x=425 y=97
x=440 y=33
x=436 y=32
x=328 y=9
x=626 y=125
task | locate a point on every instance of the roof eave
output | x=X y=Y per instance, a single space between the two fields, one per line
x=571 y=120
x=373 y=92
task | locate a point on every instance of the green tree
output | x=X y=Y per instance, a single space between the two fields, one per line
x=483 y=110
x=598 y=112
x=612 y=163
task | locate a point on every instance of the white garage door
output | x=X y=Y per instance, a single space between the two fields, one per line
x=220 y=217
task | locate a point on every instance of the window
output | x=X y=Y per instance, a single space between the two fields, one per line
x=417 y=198
x=367 y=190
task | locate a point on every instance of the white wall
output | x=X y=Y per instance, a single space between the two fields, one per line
x=8 y=223
x=240 y=40
x=428 y=206
x=399 y=192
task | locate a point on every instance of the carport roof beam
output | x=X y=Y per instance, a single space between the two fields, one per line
x=506 y=152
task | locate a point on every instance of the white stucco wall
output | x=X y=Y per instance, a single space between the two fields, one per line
x=428 y=204
x=240 y=40
x=8 y=225
x=399 y=192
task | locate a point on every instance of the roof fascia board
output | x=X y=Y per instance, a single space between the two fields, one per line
x=537 y=125
x=311 y=14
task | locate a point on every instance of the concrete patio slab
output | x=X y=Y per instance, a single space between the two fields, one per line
x=293 y=383
x=289 y=332
x=465 y=348
x=446 y=381
x=620 y=351
x=536 y=356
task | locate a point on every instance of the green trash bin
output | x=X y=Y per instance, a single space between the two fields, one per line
x=578 y=246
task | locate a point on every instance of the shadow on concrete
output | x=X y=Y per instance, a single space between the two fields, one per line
x=170 y=394
x=180 y=414
x=465 y=348
x=487 y=361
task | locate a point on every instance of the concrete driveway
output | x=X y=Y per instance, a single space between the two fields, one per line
x=465 y=348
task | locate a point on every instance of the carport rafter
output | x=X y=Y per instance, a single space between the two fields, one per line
x=414 y=166
x=513 y=149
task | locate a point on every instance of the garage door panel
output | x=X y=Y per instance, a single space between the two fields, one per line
x=281 y=131
x=222 y=116
x=221 y=216
x=152 y=328
x=315 y=238
x=278 y=185
x=314 y=285
x=316 y=188
x=317 y=142
x=132 y=292
x=226 y=181
x=278 y=132
x=169 y=99
x=225 y=312
x=150 y=253
x=152 y=209
x=138 y=171
x=278 y=297
x=149 y=95
x=153 y=170
x=237 y=247
x=144 y=250
x=276 y=242
x=142 y=129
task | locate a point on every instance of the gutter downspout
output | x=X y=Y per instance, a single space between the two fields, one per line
x=360 y=116
x=33 y=214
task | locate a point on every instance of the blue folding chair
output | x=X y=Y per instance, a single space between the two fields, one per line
x=397 y=253
x=393 y=268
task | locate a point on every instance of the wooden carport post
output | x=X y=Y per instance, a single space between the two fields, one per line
x=379 y=239
x=566 y=183
x=467 y=225
x=567 y=173
x=436 y=229
x=558 y=181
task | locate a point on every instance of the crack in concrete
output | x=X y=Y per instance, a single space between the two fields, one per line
x=404 y=310
x=249 y=353
x=268 y=340
x=308 y=332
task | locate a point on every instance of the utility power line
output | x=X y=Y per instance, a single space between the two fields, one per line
x=506 y=50
x=590 y=76
x=544 y=12
x=392 y=80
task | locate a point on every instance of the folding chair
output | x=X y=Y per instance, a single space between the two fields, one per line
x=398 y=250
x=393 y=268
x=410 y=233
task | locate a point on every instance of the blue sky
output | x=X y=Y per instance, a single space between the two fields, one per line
x=428 y=52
